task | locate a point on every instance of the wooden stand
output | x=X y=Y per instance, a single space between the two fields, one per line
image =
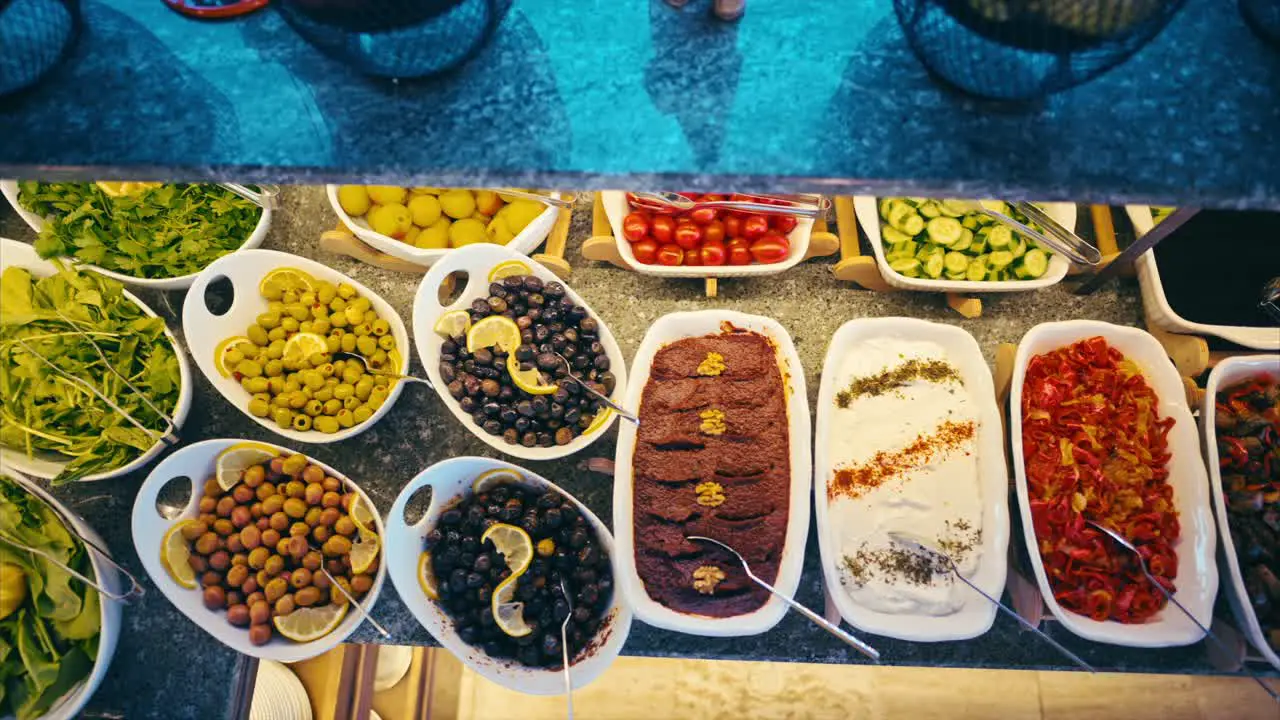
x=603 y=246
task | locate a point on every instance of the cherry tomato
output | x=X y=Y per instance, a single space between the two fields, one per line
x=646 y=252
x=739 y=252
x=732 y=226
x=703 y=216
x=754 y=227
x=770 y=248
x=784 y=223
x=692 y=257
x=688 y=236
x=714 y=197
x=713 y=232
x=635 y=226
x=670 y=254
x=663 y=229
x=714 y=252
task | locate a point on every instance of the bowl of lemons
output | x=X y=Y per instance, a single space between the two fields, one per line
x=422 y=224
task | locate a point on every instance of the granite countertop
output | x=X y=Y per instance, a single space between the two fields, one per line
x=823 y=96
x=165 y=667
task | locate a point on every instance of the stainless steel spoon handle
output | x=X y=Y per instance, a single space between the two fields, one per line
x=564 y=647
x=623 y=412
x=544 y=199
x=820 y=621
x=343 y=355
x=1023 y=621
x=1060 y=238
x=266 y=196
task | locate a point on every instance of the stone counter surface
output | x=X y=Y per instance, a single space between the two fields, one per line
x=166 y=668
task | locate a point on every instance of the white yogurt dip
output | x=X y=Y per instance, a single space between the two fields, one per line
x=903 y=453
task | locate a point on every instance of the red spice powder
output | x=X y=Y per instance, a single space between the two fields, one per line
x=858 y=479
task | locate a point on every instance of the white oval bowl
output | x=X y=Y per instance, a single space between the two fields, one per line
x=526 y=242
x=1197 y=579
x=977 y=614
x=477 y=261
x=1229 y=372
x=71 y=703
x=197 y=462
x=665 y=330
x=10 y=190
x=47 y=466
x=869 y=218
x=616 y=208
x=245 y=270
x=1162 y=313
x=451 y=479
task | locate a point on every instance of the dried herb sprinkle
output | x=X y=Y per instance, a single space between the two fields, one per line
x=888 y=379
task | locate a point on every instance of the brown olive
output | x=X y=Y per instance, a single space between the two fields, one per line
x=207 y=518
x=255 y=597
x=297 y=547
x=282 y=548
x=192 y=532
x=251 y=537
x=220 y=560
x=262 y=523
x=313 y=474
x=225 y=505
x=284 y=605
x=295 y=507
x=243 y=494
x=234 y=544
x=312 y=517
x=223 y=527
x=335 y=567
x=238 y=615
x=345 y=526
x=321 y=533
x=211 y=578
x=259 y=613
x=237 y=575
x=208 y=504
x=300 y=578
x=295 y=489
x=361 y=583
x=241 y=516
x=330 y=515
x=331 y=484
x=335 y=595
x=270 y=537
x=234 y=597
x=255 y=510
x=273 y=505
x=265 y=490
x=321 y=581
x=276 y=589
x=276 y=466
x=249 y=586
x=346 y=501
x=312 y=561
x=198 y=563
x=207 y=543
x=330 y=500
x=337 y=546
x=212 y=488
x=299 y=529
x=260 y=634
x=240 y=558
x=280 y=522
x=308 y=596
x=263 y=577
x=313 y=494
x=254 y=476
x=214 y=597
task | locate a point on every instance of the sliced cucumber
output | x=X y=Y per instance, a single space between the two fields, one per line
x=893 y=236
x=956 y=262
x=995 y=206
x=1000 y=259
x=913 y=225
x=906 y=266
x=933 y=266
x=929 y=209
x=898 y=214
x=944 y=231
x=1035 y=263
x=1000 y=237
x=977 y=268
x=966 y=239
x=884 y=206
x=971 y=222
x=1019 y=246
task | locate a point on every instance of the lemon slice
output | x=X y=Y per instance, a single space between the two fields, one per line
x=363 y=552
x=453 y=324
x=507 y=268
x=508 y=615
x=494 y=330
x=286 y=278
x=513 y=543
x=220 y=353
x=599 y=421
x=529 y=381
x=120 y=189
x=427 y=576
x=175 y=554
x=311 y=623
x=362 y=516
x=233 y=461
x=303 y=345
x=490 y=479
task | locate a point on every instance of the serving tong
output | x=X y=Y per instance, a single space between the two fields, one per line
x=266 y=196
x=804 y=206
x=1054 y=235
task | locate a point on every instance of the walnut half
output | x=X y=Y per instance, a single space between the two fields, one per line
x=712 y=422
x=710 y=494
x=706 y=578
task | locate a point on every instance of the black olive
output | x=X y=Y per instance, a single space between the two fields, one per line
x=483 y=563
x=513 y=282
x=448 y=347
x=588 y=555
x=471 y=384
x=580 y=362
x=434 y=536
x=532 y=283
x=546 y=501
x=475 y=514
x=589 y=594
x=541 y=334
x=490 y=388
x=609 y=381
x=558 y=343
x=551 y=315
x=545 y=439
x=559 y=610
x=447 y=373
x=581 y=614
x=551 y=645
x=474 y=580
x=605 y=584
x=540 y=405
x=478 y=417
x=493 y=508
x=451 y=517
x=588 y=326
x=524 y=322
x=493 y=427
x=506 y=393
x=525 y=408
x=529 y=523
x=553 y=289
x=483 y=356
x=526 y=336
x=537 y=300
x=458 y=580
x=551 y=518
x=469 y=635
x=491 y=409
x=448 y=359
x=497 y=290
x=497 y=304
x=521 y=424
x=584 y=575
x=500 y=494
x=578 y=538
x=510 y=436
x=572 y=416
x=554 y=423
x=569 y=512
x=479 y=305
x=466 y=560
x=557 y=410
x=564 y=436
x=456 y=389
x=529 y=440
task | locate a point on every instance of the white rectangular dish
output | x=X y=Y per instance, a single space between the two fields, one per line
x=9 y=188
x=616 y=208
x=976 y=614
x=1229 y=372
x=1162 y=314
x=869 y=219
x=526 y=242
x=1197 y=576
x=678 y=326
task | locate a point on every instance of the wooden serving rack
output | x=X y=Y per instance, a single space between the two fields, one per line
x=341 y=241
x=603 y=246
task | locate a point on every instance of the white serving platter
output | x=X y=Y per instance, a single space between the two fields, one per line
x=476 y=261
x=526 y=242
x=47 y=465
x=9 y=188
x=1197 y=578
x=196 y=463
x=667 y=329
x=976 y=615
x=245 y=270
x=869 y=218
x=451 y=479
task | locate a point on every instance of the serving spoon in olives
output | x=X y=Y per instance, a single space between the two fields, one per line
x=622 y=412
x=343 y=355
x=564 y=645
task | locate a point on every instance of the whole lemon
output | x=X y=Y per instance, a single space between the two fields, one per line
x=499 y=232
x=467 y=231
x=392 y=220
x=387 y=194
x=458 y=204
x=411 y=237
x=510 y=198
x=354 y=199
x=425 y=191
x=435 y=237
x=425 y=209
x=488 y=202
x=520 y=213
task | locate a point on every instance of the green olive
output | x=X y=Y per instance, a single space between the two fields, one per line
x=264 y=397
x=346 y=291
x=345 y=418
x=364 y=387
x=257 y=335
x=378 y=358
x=289 y=324
x=320 y=325
x=325 y=369
x=318 y=359
x=302 y=422
x=283 y=417
x=293 y=383
x=259 y=407
x=337 y=305
x=299 y=311
x=354 y=316
x=290 y=297
x=275 y=305
x=351 y=403
x=369 y=317
x=313 y=379
x=281 y=400
x=324 y=394
x=326 y=292
x=277 y=333
x=381 y=327
x=273 y=368
x=387 y=342
x=344 y=391
x=326 y=424
x=331 y=382
x=255 y=385
x=269 y=319
x=362 y=413
x=348 y=343
x=297 y=400
x=313 y=407
x=306 y=326
x=249 y=368
x=338 y=320
x=232 y=357
x=366 y=345
x=334 y=344
x=332 y=406
x=275 y=383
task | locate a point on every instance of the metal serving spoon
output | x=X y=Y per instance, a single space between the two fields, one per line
x=344 y=355
x=924 y=544
x=623 y=412
x=564 y=646
x=1142 y=564
x=536 y=197
x=266 y=196
x=822 y=622
x=806 y=206
x=1056 y=236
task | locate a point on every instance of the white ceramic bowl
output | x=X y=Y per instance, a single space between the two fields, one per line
x=450 y=479
x=245 y=270
x=668 y=329
x=616 y=208
x=47 y=466
x=476 y=261
x=869 y=218
x=1197 y=579
x=976 y=615
x=196 y=464
x=526 y=242
x=1227 y=373
x=10 y=190
x=1163 y=314
x=70 y=705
